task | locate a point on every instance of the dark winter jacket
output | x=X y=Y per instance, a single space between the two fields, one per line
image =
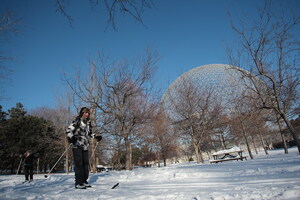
x=29 y=159
x=79 y=133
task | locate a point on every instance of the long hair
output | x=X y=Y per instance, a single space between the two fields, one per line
x=83 y=110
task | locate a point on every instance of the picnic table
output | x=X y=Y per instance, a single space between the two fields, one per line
x=235 y=153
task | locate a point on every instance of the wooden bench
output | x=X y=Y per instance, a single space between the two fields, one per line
x=228 y=155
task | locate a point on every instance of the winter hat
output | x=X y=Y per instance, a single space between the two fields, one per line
x=84 y=110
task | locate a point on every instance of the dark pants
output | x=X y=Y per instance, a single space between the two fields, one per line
x=28 y=172
x=81 y=161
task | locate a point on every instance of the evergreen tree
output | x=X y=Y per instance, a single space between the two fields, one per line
x=23 y=132
x=18 y=111
x=3 y=115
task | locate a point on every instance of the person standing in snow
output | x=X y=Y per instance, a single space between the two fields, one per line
x=28 y=164
x=78 y=134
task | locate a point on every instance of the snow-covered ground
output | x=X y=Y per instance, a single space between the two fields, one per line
x=276 y=176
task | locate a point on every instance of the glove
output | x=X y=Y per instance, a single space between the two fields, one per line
x=98 y=138
x=72 y=140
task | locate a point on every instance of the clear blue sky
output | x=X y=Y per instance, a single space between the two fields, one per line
x=185 y=33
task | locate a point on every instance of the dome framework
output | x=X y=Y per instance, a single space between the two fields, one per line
x=225 y=83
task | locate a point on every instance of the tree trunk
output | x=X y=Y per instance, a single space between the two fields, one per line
x=282 y=136
x=200 y=154
x=128 y=155
x=158 y=159
x=254 y=145
x=119 y=154
x=67 y=155
x=92 y=160
x=262 y=141
x=97 y=161
x=246 y=140
x=291 y=128
x=196 y=148
x=66 y=140
x=38 y=165
x=93 y=142
x=223 y=141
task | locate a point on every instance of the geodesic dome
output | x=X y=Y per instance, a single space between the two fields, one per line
x=224 y=81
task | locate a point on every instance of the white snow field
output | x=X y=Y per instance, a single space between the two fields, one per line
x=273 y=176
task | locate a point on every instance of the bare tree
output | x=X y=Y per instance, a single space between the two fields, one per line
x=163 y=136
x=194 y=112
x=132 y=8
x=128 y=101
x=258 y=122
x=221 y=131
x=241 y=115
x=119 y=94
x=270 y=48
x=239 y=129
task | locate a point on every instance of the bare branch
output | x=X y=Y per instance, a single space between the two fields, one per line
x=60 y=7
